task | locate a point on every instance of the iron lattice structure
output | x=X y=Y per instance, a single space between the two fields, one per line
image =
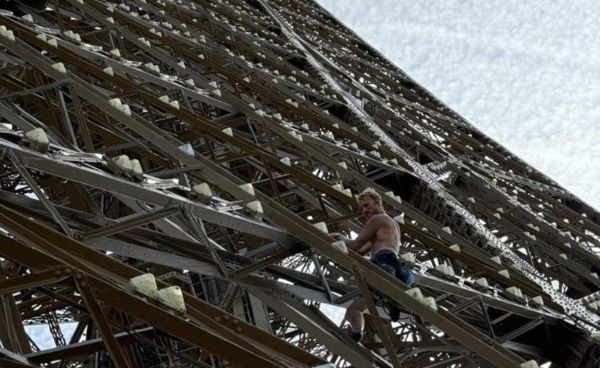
x=213 y=144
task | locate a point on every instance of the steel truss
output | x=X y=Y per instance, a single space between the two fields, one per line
x=248 y=128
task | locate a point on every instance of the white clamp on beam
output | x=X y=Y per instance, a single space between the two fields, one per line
x=504 y=273
x=338 y=187
x=295 y=135
x=321 y=226
x=481 y=284
x=430 y=302
x=496 y=259
x=255 y=207
x=172 y=297
x=529 y=364
x=446 y=271
x=408 y=258
x=202 y=192
x=60 y=67
x=27 y=18
x=7 y=33
x=37 y=139
x=121 y=165
x=340 y=246
x=514 y=293
x=136 y=169
x=144 y=284
x=117 y=104
x=286 y=161
x=116 y=53
x=415 y=293
x=328 y=136
x=248 y=188
x=537 y=301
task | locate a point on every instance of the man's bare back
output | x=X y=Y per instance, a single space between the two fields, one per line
x=387 y=235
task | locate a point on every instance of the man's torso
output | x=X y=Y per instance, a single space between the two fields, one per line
x=386 y=237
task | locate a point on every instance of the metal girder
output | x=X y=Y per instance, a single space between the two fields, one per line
x=87 y=347
x=129 y=223
x=12 y=332
x=39 y=194
x=12 y=360
x=309 y=322
x=379 y=327
x=521 y=330
x=43 y=278
x=96 y=179
x=139 y=308
x=101 y=322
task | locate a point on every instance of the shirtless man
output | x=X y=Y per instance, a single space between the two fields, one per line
x=380 y=237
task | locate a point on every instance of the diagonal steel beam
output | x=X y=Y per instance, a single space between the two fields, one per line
x=112 y=345
x=10 y=359
x=132 y=222
x=379 y=327
x=39 y=193
x=224 y=342
x=43 y=278
x=87 y=347
x=520 y=331
x=306 y=320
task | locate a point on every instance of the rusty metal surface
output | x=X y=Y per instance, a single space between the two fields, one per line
x=250 y=122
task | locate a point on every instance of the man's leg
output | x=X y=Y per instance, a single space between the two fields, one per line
x=354 y=315
x=407 y=276
x=393 y=266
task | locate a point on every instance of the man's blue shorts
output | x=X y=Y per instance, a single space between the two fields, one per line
x=389 y=262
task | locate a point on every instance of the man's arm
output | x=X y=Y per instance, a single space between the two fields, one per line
x=369 y=231
x=362 y=250
x=366 y=248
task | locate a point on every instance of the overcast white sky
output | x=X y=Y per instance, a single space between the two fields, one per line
x=526 y=73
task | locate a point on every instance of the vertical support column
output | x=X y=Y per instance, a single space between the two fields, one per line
x=111 y=343
x=12 y=332
x=379 y=327
x=260 y=313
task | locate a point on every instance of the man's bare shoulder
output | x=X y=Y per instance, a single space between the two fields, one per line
x=381 y=219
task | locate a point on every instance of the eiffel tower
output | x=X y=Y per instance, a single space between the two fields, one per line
x=171 y=171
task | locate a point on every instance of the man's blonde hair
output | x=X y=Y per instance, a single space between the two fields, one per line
x=370 y=193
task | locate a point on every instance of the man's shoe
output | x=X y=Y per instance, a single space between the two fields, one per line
x=392 y=311
x=356 y=335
